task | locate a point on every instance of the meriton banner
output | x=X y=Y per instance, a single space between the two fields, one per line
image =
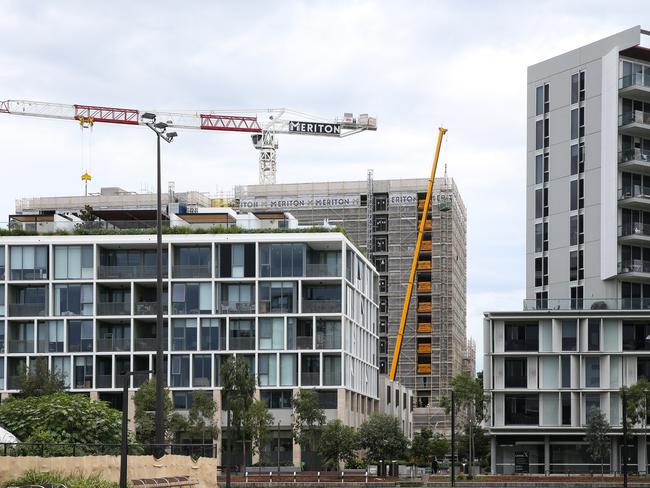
x=318 y=128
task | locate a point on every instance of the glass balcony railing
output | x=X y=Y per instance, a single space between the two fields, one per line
x=149 y=308
x=310 y=378
x=634 y=229
x=634 y=266
x=323 y=270
x=129 y=272
x=18 y=346
x=321 y=306
x=187 y=271
x=27 y=309
x=634 y=191
x=587 y=304
x=113 y=308
x=140 y=379
x=634 y=79
x=148 y=344
x=634 y=117
x=237 y=307
x=242 y=343
x=304 y=342
x=103 y=381
x=634 y=154
x=113 y=344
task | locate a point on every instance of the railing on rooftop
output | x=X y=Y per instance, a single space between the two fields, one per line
x=587 y=304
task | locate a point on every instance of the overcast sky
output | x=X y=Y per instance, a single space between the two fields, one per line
x=414 y=65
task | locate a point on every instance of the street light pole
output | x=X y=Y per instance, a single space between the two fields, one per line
x=278 y=447
x=160 y=129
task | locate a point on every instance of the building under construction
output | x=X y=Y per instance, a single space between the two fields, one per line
x=382 y=216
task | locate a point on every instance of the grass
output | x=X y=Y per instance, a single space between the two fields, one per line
x=75 y=480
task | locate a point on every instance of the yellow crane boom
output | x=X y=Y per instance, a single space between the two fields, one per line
x=416 y=253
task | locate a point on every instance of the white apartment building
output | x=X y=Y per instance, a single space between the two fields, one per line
x=300 y=307
x=584 y=330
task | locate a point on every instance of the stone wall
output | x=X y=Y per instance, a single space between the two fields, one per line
x=108 y=467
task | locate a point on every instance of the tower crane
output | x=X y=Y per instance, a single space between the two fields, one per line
x=263 y=125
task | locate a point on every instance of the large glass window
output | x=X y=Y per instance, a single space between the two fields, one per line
x=2 y=262
x=321 y=298
x=593 y=335
x=21 y=337
x=62 y=365
x=83 y=372
x=282 y=259
x=592 y=372
x=566 y=408
x=267 y=370
x=28 y=262
x=129 y=263
x=271 y=333
x=201 y=370
x=278 y=297
x=277 y=398
x=310 y=369
x=237 y=298
x=300 y=333
x=521 y=410
x=569 y=335
x=50 y=336
x=2 y=339
x=576 y=229
x=288 y=369
x=191 y=298
x=237 y=260
x=2 y=300
x=80 y=335
x=73 y=262
x=521 y=336
x=592 y=405
x=73 y=299
x=192 y=262
x=242 y=335
x=636 y=336
x=184 y=334
x=213 y=334
x=328 y=333
x=566 y=371
x=642 y=368
x=331 y=370
x=515 y=372
x=180 y=370
x=577 y=158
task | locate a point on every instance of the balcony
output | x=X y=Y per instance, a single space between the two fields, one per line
x=114 y=345
x=242 y=343
x=140 y=379
x=129 y=272
x=587 y=304
x=188 y=271
x=113 y=308
x=635 y=123
x=103 y=381
x=635 y=197
x=148 y=344
x=635 y=159
x=20 y=346
x=323 y=270
x=635 y=85
x=634 y=233
x=310 y=378
x=27 y=309
x=13 y=382
x=321 y=306
x=304 y=342
x=149 y=308
x=237 y=307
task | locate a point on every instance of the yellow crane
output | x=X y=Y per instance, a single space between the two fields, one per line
x=416 y=253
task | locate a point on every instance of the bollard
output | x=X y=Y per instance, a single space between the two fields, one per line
x=246 y=474
x=270 y=476
x=366 y=477
x=319 y=476
x=294 y=476
x=342 y=476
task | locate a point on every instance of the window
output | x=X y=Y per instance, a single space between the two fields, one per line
x=381 y=204
x=381 y=224
x=576 y=230
x=237 y=260
x=191 y=298
x=201 y=370
x=576 y=265
x=592 y=372
x=80 y=335
x=578 y=87
x=546 y=134
x=643 y=368
x=300 y=333
x=516 y=373
x=277 y=398
x=577 y=122
x=2 y=300
x=242 y=335
x=130 y=263
x=50 y=336
x=593 y=335
x=271 y=332
x=267 y=370
x=566 y=371
x=73 y=299
x=183 y=334
x=2 y=262
x=182 y=400
x=278 y=297
x=636 y=336
x=282 y=260
x=180 y=371
x=577 y=293
x=73 y=262
x=592 y=405
x=192 y=262
x=331 y=370
x=381 y=244
x=310 y=370
x=541 y=271
x=539 y=134
x=521 y=409
x=237 y=298
x=521 y=336
x=21 y=337
x=541 y=237
x=381 y=263
x=539 y=203
x=213 y=334
x=541 y=300
x=577 y=158
x=83 y=372
x=288 y=369
x=569 y=335
x=62 y=364
x=28 y=262
x=388 y=395
x=577 y=194
x=566 y=408
x=539 y=100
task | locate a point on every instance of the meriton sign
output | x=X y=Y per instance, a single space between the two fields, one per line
x=314 y=128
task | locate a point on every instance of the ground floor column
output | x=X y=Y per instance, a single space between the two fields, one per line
x=547 y=455
x=493 y=455
x=642 y=457
x=614 y=463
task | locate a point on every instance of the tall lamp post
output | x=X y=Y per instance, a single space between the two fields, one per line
x=160 y=128
x=124 y=449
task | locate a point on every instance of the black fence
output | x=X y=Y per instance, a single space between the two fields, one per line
x=77 y=449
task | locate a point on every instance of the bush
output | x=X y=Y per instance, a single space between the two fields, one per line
x=76 y=480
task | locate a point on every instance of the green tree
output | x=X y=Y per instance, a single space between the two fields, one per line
x=39 y=380
x=382 y=438
x=421 y=447
x=637 y=411
x=62 y=418
x=308 y=417
x=145 y=407
x=200 y=420
x=238 y=386
x=439 y=446
x=257 y=423
x=337 y=444
x=597 y=438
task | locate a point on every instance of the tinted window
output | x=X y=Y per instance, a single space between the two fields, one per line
x=515 y=369
x=569 y=335
x=521 y=410
x=521 y=337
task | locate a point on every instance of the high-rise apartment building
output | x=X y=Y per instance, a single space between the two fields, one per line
x=387 y=212
x=584 y=330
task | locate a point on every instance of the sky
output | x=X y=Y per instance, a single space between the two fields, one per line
x=414 y=65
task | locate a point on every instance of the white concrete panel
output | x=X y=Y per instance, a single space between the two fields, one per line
x=549 y=411
x=629 y=370
x=498 y=409
x=498 y=328
x=499 y=373
x=532 y=372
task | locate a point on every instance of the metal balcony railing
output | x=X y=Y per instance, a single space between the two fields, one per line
x=113 y=345
x=237 y=307
x=50 y=346
x=188 y=271
x=321 y=306
x=27 y=309
x=113 y=308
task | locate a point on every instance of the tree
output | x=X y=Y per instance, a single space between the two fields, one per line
x=337 y=444
x=62 y=418
x=257 y=423
x=145 y=407
x=39 y=380
x=439 y=446
x=597 y=439
x=307 y=416
x=200 y=420
x=636 y=412
x=382 y=438
x=421 y=447
x=237 y=396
